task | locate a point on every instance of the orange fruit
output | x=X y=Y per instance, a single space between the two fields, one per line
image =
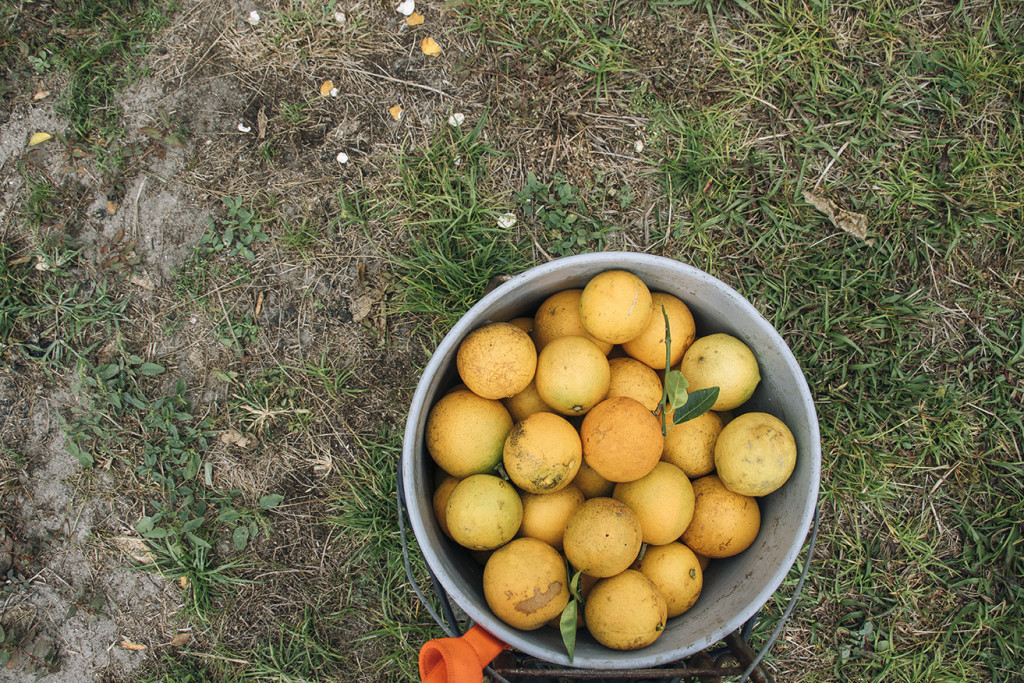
x=559 y=316
x=440 y=501
x=525 y=583
x=626 y=611
x=724 y=523
x=677 y=574
x=662 y=500
x=526 y=402
x=546 y=514
x=723 y=361
x=524 y=323
x=542 y=453
x=690 y=445
x=497 y=360
x=649 y=346
x=465 y=434
x=630 y=377
x=622 y=440
x=483 y=512
x=591 y=484
x=572 y=375
x=615 y=306
x=602 y=537
x=755 y=454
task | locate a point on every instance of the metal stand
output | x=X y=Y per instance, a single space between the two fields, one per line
x=712 y=665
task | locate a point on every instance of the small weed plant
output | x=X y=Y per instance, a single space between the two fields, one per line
x=234 y=235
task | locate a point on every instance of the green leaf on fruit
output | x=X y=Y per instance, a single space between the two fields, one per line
x=567 y=625
x=697 y=403
x=675 y=388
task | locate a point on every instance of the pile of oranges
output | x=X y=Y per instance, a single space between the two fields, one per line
x=558 y=458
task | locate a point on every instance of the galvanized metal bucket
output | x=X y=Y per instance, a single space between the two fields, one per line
x=734 y=588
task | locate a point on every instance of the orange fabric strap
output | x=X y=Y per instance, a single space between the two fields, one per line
x=459 y=660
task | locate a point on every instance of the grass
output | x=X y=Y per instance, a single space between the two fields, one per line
x=906 y=113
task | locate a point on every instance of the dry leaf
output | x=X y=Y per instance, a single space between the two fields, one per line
x=326 y=88
x=129 y=645
x=183 y=582
x=237 y=438
x=142 y=280
x=180 y=639
x=111 y=206
x=362 y=306
x=42 y=94
x=430 y=47
x=415 y=19
x=396 y=112
x=261 y=122
x=38 y=138
x=18 y=261
x=135 y=548
x=854 y=223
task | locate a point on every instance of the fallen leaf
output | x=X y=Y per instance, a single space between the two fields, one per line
x=407 y=7
x=415 y=19
x=236 y=438
x=854 y=223
x=183 y=582
x=326 y=88
x=362 y=306
x=396 y=112
x=143 y=281
x=430 y=47
x=261 y=122
x=135 y=548
x=38 y=138
x=18 y=261
x=42 y=94
x=180 y=639
x=129 y=645
x=111 y=207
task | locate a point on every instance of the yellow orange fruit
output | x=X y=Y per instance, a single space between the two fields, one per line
x=630 y=377
x=755 y=454
x=542 y=453
x=526 y=402
x=483 y=512
x=677 y=574
x=622 y=440
x=690 y=445
x=723 y=361
x=615 y=306
x=440 y=501
x=497 y=360
x=559 y=316
x=724 y=523
x=465 y=434
x=525 y=323
x=525 y=583
x=648 y=347
x=602 y=537
x=591 y=484
x=572 y=375
x=626 y=611
x=662 y=500
x=546 y=514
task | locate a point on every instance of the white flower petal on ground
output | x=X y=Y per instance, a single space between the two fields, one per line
x=242 y=128
x=254 y=17
x=407 y=7
x=340 y=17
x=639 y=146
x=506 y=220
x=342 y=158
x=456 y=119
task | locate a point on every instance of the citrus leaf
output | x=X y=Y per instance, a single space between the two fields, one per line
x=698 y=403
x=675 y=386
x=567 y=625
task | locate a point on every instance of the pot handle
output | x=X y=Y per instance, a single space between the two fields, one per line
x=459 y=660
